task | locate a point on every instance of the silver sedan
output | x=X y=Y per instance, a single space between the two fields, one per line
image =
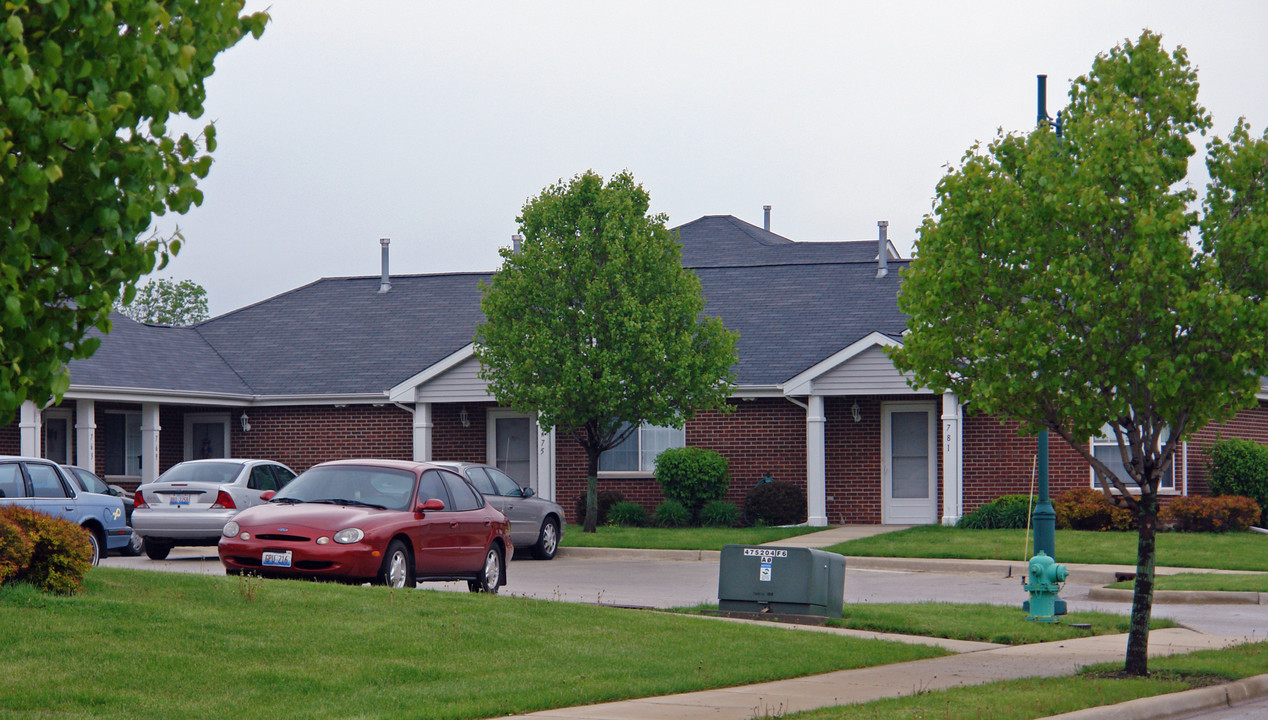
x=536 y=523
x=191 y=502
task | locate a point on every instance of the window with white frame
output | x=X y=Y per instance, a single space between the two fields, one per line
x=638 y=452
x=1105 y=449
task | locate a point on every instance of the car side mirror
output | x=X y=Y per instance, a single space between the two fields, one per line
x=431 y=504
x=115 y=490
x=267 y=495
x=528 y=492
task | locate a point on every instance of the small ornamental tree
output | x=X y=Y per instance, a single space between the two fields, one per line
x=87 y=161
x=1060 y=282
x=167 y=302
x=596 y=326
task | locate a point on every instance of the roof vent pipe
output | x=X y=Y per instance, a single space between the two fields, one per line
x=516 y=239
x=882 y=253
x=385 y=283
x=766 y=223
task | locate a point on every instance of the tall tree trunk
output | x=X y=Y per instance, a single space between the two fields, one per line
x=1143 y=595
x=592 y=488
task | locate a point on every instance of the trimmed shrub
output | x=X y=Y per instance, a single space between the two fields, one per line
x=1210 y=514
x=1004 y=512
x=775 y=503
x=1239 y=467
x=671 y=514
x=60 y=551
x=1088 y=509
x=692 y=476
x=15 y=549
x=719 y=513
x=606 y=498
x=628 y=514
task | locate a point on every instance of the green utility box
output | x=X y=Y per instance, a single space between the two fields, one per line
x=781 y=580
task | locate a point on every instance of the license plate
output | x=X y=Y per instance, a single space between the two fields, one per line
x=273 y=558
x=179 y=500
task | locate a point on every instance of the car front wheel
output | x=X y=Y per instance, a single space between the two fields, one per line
x=547 y=540
x=397 y=570
x=490 y=575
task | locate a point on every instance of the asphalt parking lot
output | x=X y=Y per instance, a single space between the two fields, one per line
x=653 y=581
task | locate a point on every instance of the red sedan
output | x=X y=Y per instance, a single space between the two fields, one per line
x=387 y=522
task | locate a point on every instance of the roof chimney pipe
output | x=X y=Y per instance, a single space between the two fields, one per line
x=766 y=223
x=882 y=254
x=385 y=282
x=516 y=239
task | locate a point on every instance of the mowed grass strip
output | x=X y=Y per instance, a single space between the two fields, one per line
x=142 y=644
x=979 y=622
x=1041 y=697
x=611 y=536
x=1217 y=582
x=1219 y=551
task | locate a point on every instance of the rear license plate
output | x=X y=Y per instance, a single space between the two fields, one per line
x=179 y=499
x=276 y=559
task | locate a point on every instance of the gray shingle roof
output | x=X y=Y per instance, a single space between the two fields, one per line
x=794 y=304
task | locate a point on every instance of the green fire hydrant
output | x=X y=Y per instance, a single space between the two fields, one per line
x=1044 y=579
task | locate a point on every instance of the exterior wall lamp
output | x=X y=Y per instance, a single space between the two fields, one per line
x=246 y=424
x=854 y=411
x=463 y=418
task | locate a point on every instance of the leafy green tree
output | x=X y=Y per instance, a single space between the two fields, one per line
x=596 y=326
x=87 y=160
x=167 y=302
x=1059 y=283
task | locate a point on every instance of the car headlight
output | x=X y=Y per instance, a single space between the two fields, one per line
x=231 y=529
x=349 y=535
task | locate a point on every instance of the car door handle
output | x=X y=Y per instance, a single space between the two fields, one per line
x=69 y=508
x=453 y=523
x=488 y=523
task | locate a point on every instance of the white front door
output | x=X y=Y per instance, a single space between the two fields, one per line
x=908 y=464
x=512 y=439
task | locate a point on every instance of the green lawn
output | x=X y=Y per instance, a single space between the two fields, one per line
x=678 y=538
x=1222 y=551
x=1257 y=582
x=142 y=644
x=1041 y=697
x=979 y=622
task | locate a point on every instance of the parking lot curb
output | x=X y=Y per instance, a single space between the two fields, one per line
x=598 y=553
x=1180 y=597
x=1172 y=705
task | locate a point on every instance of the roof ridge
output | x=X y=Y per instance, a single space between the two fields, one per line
x=744 y=227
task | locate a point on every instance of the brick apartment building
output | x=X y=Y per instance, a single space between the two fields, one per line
x=384 y=367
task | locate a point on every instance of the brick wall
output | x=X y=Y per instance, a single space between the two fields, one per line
x=300 y=437
x=11 y=437
x=999 y=461
x=452 y=441
x=1249 y=424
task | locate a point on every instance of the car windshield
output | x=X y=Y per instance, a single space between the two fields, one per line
x=385 y=488
x=203 y=472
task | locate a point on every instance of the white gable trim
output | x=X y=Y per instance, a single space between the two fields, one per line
x=404 y=392
x=801 y=384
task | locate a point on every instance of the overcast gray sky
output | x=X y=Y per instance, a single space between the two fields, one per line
x=433 y=122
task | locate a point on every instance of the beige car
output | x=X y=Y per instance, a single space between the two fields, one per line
x=536 y=523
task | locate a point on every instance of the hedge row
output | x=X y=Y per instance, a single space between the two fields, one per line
x=50 y=553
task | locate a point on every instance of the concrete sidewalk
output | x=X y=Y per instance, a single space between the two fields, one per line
x=886 y=681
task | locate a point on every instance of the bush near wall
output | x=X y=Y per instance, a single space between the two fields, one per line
x=719 y=513
x=692 y=476
x=59 y=553
x=606 y=498
x=1088 y=509
x=1210 y=514
x=775 y=503
x=1010 y=512
x=1239 y=467
x=627 y=514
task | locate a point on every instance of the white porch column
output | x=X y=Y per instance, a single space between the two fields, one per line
x=86 y=435
x=816 y=464
x=545 y=461
x=29 y=430
x=149 y=442
x=422 y=432
x=952 y=460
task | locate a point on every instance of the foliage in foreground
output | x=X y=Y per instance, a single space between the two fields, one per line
x=366 y=652
x=87 y=161
x=50 y=553
x=1056 y=284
